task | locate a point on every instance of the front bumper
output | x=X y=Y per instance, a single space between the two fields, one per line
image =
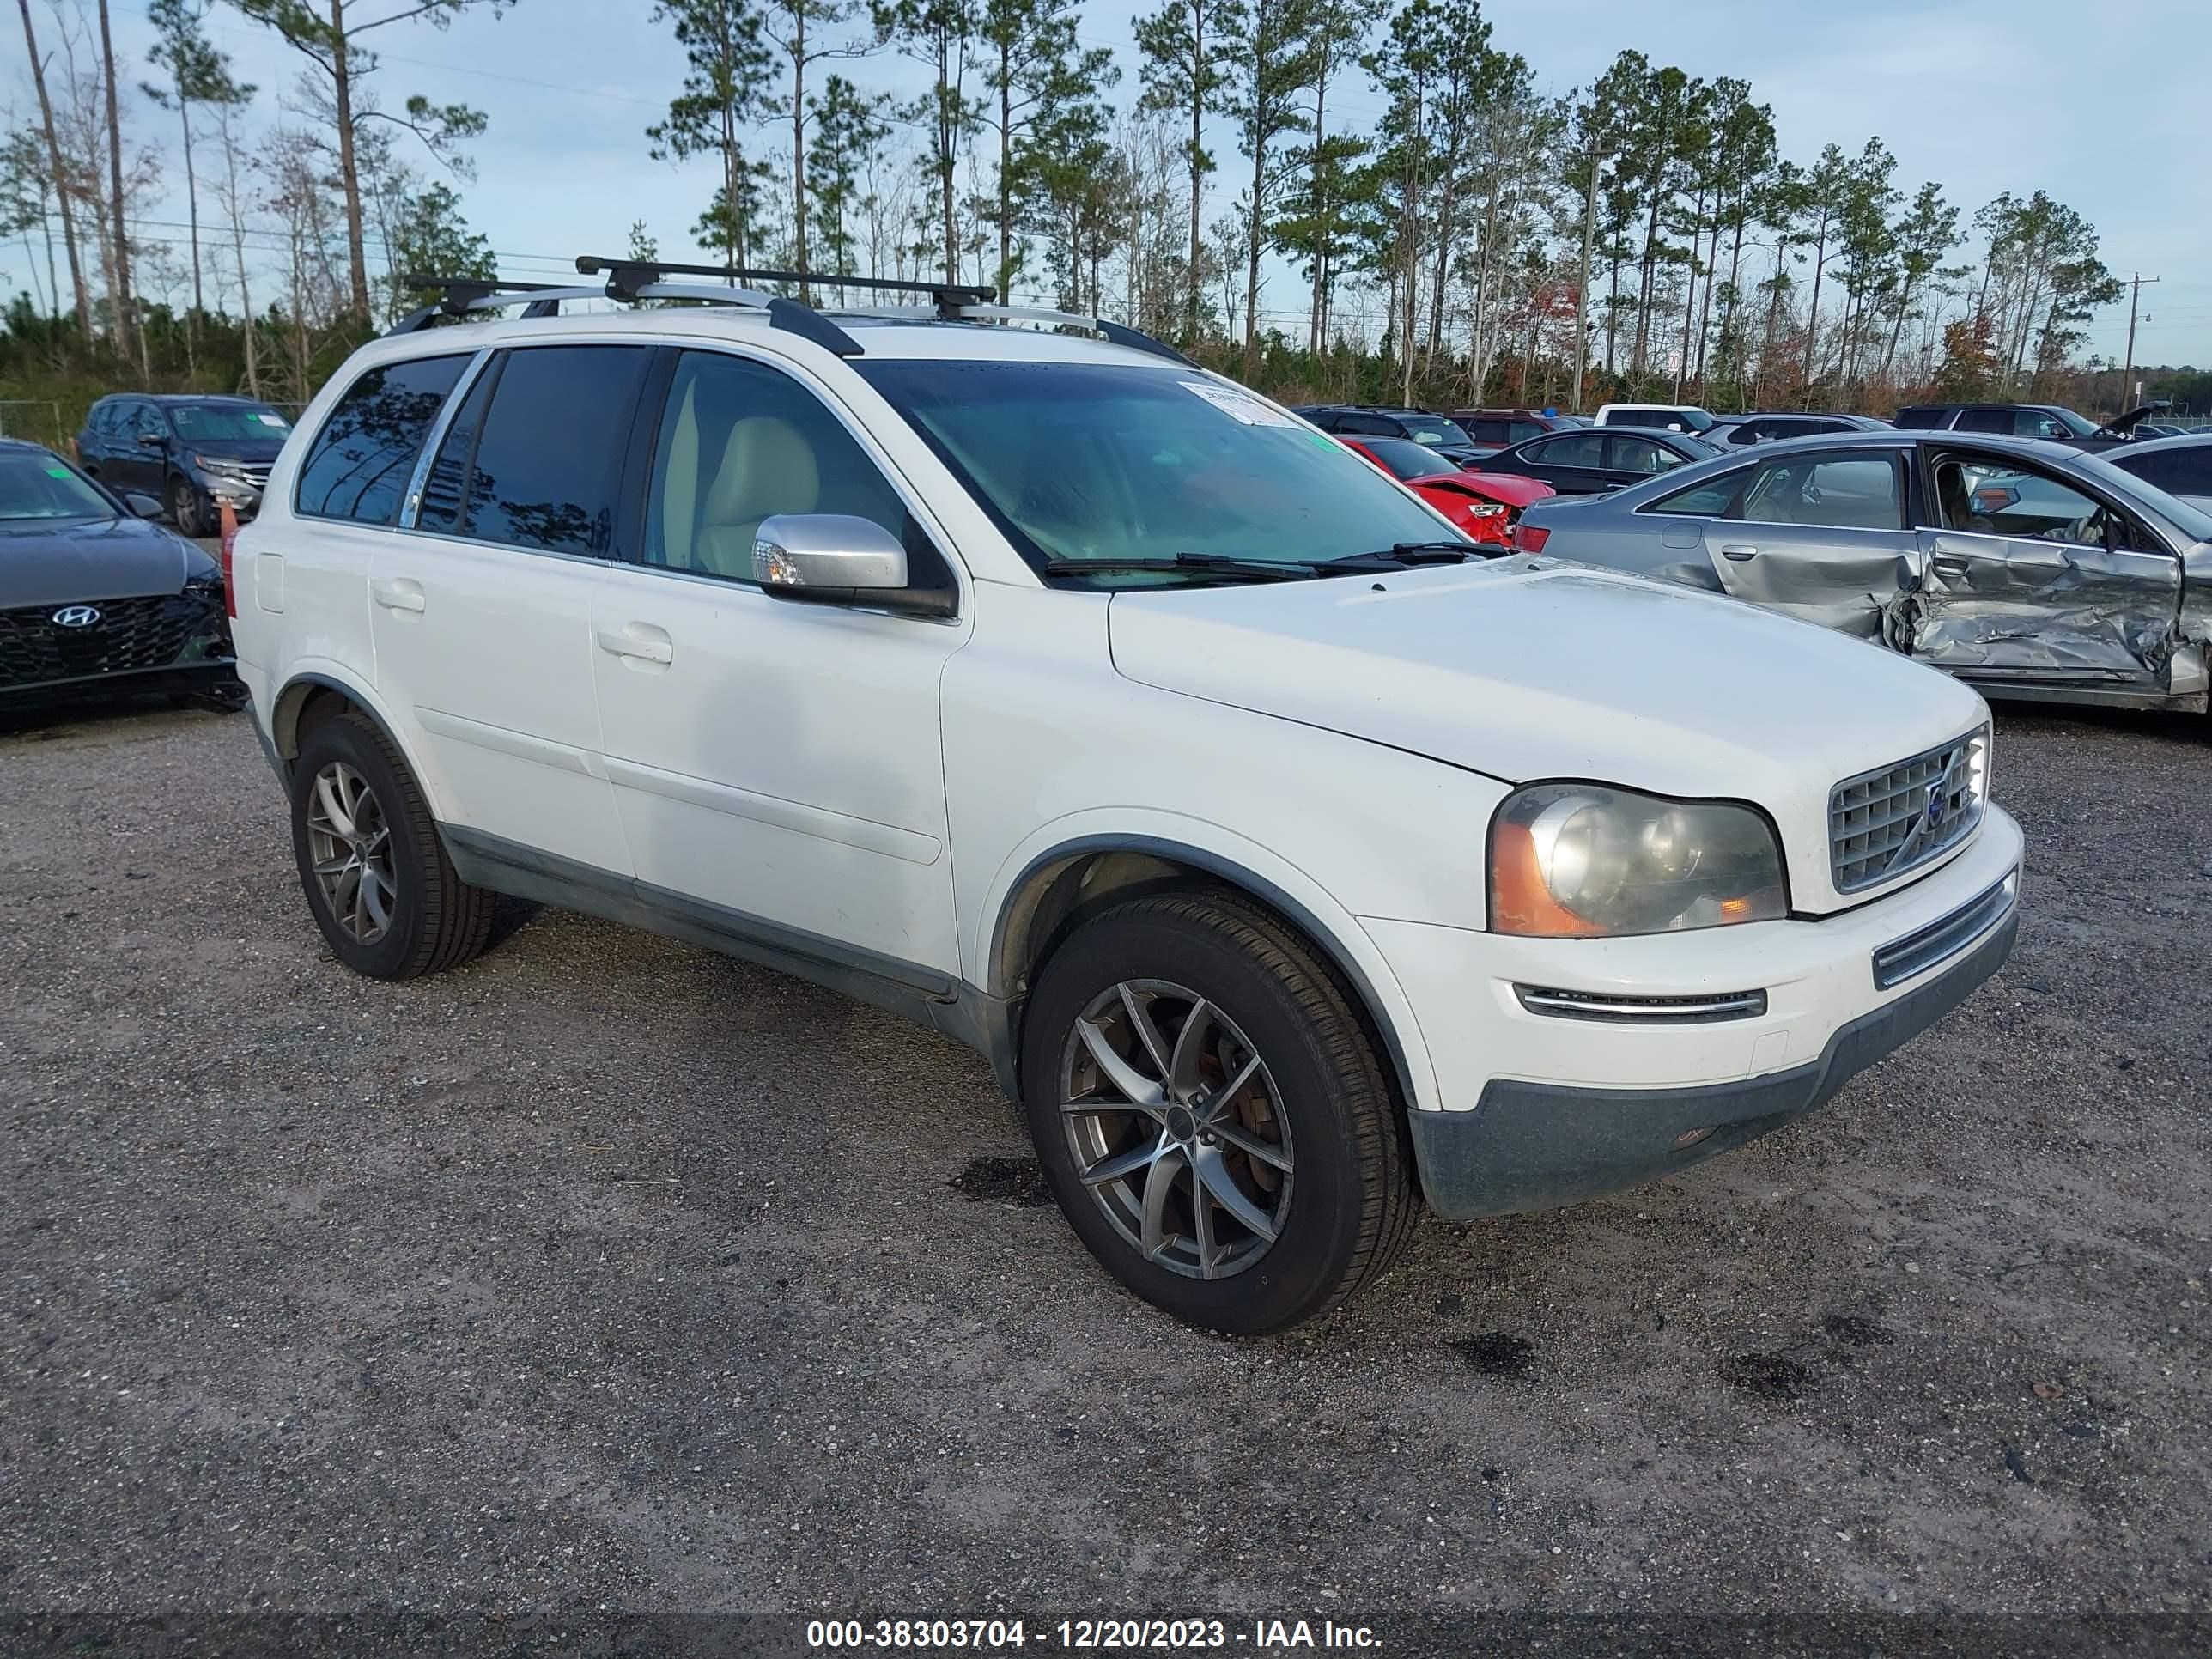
x=1538 y=1145
x=1767 y=1019
x=243 y=494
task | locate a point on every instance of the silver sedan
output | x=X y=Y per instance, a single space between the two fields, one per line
x=2030 y=569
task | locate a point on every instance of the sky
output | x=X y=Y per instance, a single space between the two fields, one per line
x=2101 y=102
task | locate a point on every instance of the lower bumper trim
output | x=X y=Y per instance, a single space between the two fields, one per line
x=1540 y=1146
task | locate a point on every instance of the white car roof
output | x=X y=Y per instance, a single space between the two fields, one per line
x=876 y=337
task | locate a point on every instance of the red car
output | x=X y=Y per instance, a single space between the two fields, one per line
x=1486 y=505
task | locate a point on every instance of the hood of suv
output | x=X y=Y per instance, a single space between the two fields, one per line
x=1524 y=669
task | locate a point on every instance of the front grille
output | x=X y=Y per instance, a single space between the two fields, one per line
x=1884 y=823
x=130 y=634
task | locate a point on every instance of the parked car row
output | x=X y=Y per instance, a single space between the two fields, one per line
x=2029 y=568
x=1065 y=698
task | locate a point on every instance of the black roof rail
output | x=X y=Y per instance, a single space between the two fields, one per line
x=638 y=273
x=633 y=280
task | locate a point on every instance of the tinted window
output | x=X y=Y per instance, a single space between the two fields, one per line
x=740 y=443
x=1706 y=501
x=1516 y=430
x=1403 y=458
x=1497 y=432
x=1838 y=492
x=363 y=456
x=1639 y=417
x=549 y=459
x=1370 y=426
x=1985 y=420
x=443 y=494
x=2185 y=471
x=1576 y=449
x=1920 y=420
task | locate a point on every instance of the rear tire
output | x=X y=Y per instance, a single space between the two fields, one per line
x=375 y=872
x=1234 y=1154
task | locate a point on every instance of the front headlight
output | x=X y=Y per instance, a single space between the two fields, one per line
x=1577 y=860
x=218 y=464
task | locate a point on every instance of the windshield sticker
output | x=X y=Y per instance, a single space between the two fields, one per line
x=1250 y=410
x=57 y=472
x=276 y=421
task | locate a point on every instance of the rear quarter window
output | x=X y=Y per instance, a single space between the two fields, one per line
x=360 y=464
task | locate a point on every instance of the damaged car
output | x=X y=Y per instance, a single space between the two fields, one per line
x=2029 y=569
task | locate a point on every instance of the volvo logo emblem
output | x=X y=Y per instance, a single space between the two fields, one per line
x=75 y=616
x=1937 y=805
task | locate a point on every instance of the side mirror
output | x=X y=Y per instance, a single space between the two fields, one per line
x=835 y=558
x=152 y=440
x=144 y=507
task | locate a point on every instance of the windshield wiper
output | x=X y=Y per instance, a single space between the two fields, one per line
x=1401 y=554
x=1204 y=564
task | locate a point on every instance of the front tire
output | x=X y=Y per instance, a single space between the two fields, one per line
x=184 y=507
x=374 y=870
x=1209 y=1110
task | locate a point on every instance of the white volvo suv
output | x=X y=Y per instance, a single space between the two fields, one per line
x=1090 y=710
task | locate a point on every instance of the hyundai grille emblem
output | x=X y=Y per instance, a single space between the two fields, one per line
x=75 y=616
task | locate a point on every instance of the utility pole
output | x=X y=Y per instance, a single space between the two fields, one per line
x=2128 y=374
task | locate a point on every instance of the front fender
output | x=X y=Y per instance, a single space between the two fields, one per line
x=1236 y=860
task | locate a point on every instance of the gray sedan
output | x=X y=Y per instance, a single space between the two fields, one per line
x=2029 y=569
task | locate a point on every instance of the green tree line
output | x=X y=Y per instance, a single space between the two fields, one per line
x=1375 y=201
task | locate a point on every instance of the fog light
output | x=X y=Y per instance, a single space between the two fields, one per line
x=1692 y=1137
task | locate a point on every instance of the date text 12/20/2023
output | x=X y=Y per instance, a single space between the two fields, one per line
x=1107 y=1635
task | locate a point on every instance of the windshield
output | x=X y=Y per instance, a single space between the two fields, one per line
x=1408 y=460
x=1112 y=461
x=2074 y=423
x=38 y=486
x=227 y=423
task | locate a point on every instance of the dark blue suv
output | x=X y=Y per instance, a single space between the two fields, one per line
x=187 y=450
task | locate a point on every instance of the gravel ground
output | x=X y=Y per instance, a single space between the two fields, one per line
x=607 y=1274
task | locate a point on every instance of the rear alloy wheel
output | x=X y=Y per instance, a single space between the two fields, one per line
x=185 y=508
x=376 y=875
x=1211 y=1113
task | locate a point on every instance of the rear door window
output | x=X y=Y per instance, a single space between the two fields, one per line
x=1985 y=420
x=363 y=457
x=1516 y=430
x=1835 y=492
x=538 y=464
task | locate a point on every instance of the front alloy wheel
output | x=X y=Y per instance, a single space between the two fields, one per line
x=1211 y=1114
x=1175 y=1131
x=349 y=845
x=184 y=507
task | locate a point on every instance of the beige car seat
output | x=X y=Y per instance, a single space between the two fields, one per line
x=766 y=467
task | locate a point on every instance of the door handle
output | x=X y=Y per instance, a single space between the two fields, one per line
x=646 y=642
x=1950 y=566
x=1741 y=552
x=398 y=594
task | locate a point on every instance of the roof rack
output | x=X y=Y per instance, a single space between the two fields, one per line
x=632 y=280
